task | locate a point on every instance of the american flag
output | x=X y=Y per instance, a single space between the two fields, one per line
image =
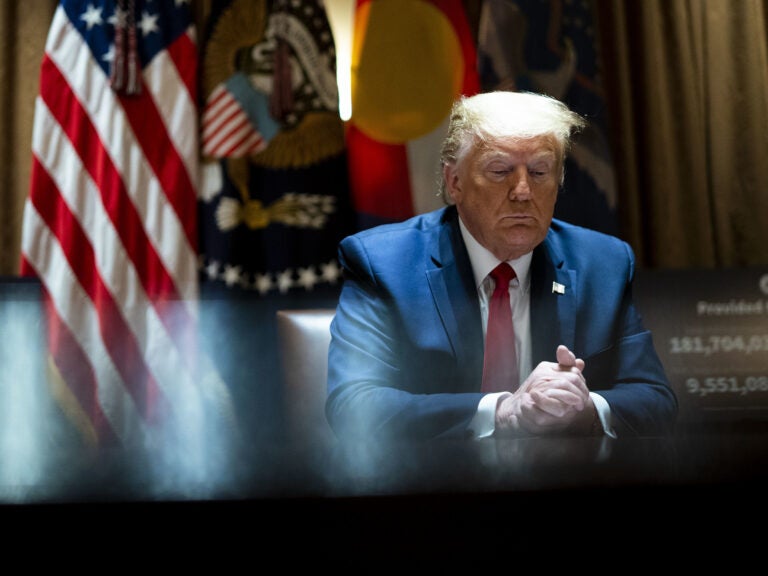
x=110 y=225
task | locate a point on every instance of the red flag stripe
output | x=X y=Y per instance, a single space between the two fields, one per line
x=161 y=153
x=232 y=119
x=67 y=110
x=110 y=226
x=54 y=152
x=79 y=320
x=251 y=144
x=241 y=141
x=219 y=112
x=72 y=361
x=227 y=130
x=183 y=53
x=219 y=106
x=176 y=100
x=116 y=335
x=106 y=120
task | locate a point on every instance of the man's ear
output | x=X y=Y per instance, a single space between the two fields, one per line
x=451 y=179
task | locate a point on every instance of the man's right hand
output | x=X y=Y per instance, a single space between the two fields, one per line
x=553 y=399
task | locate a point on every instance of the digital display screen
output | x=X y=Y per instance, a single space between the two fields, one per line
x=710 y=328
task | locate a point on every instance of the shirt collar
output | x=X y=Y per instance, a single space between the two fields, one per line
x=483 y=261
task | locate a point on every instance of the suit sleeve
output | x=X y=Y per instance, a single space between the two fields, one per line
x=627 y=371
x=373 y=389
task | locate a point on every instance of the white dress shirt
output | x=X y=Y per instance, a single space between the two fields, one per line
x=483 y=261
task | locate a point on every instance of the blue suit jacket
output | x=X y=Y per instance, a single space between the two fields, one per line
x=406 y=351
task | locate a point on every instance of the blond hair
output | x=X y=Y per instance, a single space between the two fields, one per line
x=492 y=116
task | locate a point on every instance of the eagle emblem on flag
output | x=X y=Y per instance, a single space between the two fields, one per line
x=273 y=191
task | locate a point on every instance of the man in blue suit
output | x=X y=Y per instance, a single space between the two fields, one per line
x=406 y=358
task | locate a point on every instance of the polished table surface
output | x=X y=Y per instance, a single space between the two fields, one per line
x=283 y=470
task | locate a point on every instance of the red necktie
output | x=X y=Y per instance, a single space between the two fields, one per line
x=500 y=365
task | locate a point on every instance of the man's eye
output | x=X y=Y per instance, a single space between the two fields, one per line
x=497 y=174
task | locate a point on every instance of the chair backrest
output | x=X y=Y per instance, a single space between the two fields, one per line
x=304 y=337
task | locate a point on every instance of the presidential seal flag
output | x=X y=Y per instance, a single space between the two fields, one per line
x=275 y=199
x=552 y=47
x=110 y=225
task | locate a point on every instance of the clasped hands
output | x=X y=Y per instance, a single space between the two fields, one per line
x=554 y=399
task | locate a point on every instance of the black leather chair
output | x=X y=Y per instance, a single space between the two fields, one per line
x=304 y=336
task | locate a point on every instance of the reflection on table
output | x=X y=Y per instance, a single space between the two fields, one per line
x=281 y=470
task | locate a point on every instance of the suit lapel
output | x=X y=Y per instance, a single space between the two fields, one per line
x=554 y=295
x=452 y=284
x=554 y=291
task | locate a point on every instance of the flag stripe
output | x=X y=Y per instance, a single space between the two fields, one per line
x=54 y=151
x=118 y=338
x=54 y=154
x=96 y=160
x=251 y=144
x=110 y=226
x=160 y=152
x=183 y=54
x=239 y=140
x=76 y=312
x=230 y=132
x=218 y=112
x=234 y=119
x=172 y=80
x=95 y=105
x=72 y=360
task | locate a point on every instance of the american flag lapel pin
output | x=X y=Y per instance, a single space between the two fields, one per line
x=558 y=288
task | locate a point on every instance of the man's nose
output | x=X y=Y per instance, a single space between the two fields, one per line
x=519 y=184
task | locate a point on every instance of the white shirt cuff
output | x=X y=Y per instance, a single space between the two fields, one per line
x=604 y=413
x=484 y=422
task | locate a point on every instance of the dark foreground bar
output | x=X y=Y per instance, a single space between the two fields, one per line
x=437 y=503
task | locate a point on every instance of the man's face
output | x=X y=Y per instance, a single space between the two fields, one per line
x=505 y=193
